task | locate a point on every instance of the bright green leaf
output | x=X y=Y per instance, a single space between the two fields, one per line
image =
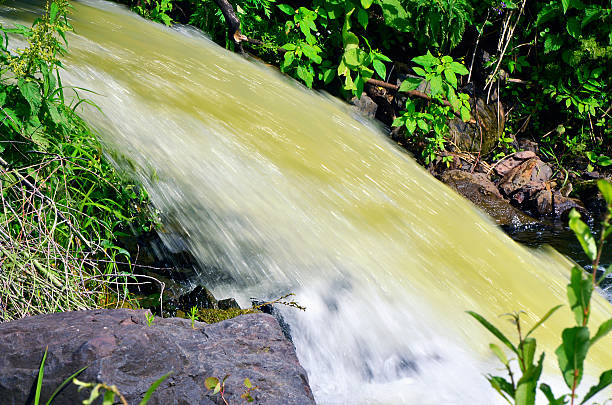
x=286 y=8
x=380 y=68
x=583 y=234
x=572 y=352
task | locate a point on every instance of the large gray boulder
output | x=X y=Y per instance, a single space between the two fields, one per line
x=120 y=348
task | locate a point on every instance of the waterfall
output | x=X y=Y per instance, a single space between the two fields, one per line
x=275 y=188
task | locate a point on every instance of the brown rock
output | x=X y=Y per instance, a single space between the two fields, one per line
x=120 y=348
x=477 y=188
x=529 y=176
x=564 y=204
x=509 y=163
x=543 y=202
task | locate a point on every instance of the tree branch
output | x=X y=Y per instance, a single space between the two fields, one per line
x=233 y=23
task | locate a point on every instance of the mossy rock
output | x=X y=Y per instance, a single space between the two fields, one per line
x=209 y=315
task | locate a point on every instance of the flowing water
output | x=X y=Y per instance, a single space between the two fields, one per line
x=276 y=189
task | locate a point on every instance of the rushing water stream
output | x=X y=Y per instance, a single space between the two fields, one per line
x=279 y=189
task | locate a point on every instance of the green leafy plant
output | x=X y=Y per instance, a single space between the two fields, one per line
x=427 y=121
x=110 y=392
x=193 y=315
x=150 y=318
x=156 y=10
x=63 y=204
x=575 y=341
x=218 y=387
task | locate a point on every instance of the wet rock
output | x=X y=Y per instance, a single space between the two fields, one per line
x=470 y=138
x=120 y=348
x=365 y=105
x=543 y=202
x=562 y=205
x=228 y=303
x=198 y=297
x=477 y=188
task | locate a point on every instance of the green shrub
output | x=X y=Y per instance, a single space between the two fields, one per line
x=62 y=203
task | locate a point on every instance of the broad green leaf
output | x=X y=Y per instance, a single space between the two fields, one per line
x=579 y=292
x=286 y=8
x=465 y=114
x=602 y=331
x=289 y=47
x=493 y=330
x=411 y=125
x=247 y=383
x=217 y=388
x=211 y=382
x=304 y=74
x=108 y=398
x=450 y=78
x=311 y=53
x=288 y=59
x=419 y=71
x=458 y=68
x=329 y=75
x=526 y=352
x=31 y=92
x=436 y=85
x=2 y=98
x=359 y=85
x=583 y=233
x=394 y=14
x=573 y=27
x=605 y=379
x=572 y=352
x=411 y=83
x=362 y=17
x=399 y=121
x=152 y=388
x=380 y=68
x=606 y=190
x=427 y=60
x=543 y=319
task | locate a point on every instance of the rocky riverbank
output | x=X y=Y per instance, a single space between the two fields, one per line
x=125 y=348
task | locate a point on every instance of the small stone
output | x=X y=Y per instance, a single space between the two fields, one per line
x=228 y=303
x=365 y=105
x=524 y=155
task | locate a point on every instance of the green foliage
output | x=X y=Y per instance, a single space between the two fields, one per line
x=575 y=341
x=440 y=24
x=110 y=393
x=63 y=204
x=218 y=387
x=428 y=121
x=156 y=10
x=150 y=318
